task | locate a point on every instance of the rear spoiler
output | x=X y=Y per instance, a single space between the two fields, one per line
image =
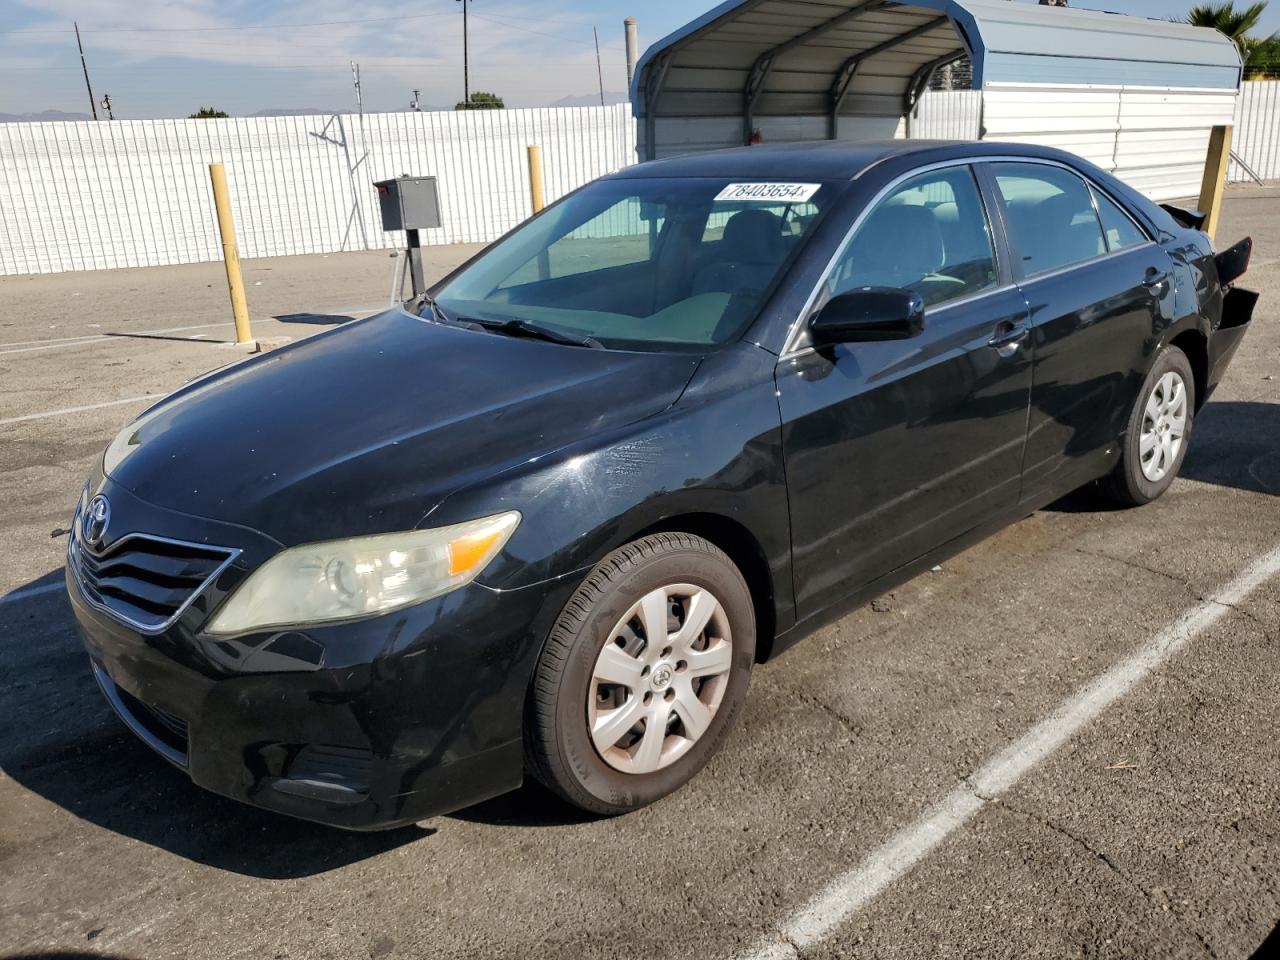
x=1191 y=219
x=1234 y=261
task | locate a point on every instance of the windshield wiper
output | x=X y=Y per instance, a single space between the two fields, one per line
x=430 y=303
x=523 y=328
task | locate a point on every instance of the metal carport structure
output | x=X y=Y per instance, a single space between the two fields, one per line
x=1137 y=96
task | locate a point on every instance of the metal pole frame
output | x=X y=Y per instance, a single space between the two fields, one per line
x=763 y=66
x=844 y=76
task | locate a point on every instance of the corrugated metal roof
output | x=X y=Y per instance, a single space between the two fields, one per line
x=837 y=58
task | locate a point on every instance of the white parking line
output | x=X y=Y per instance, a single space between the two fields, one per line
x=122 y=336
x=852 y=891
x=89 y=406
x=32 y=592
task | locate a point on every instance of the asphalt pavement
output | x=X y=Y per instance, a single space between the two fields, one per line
x=1063 y=743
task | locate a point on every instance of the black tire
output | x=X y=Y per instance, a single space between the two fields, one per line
x=559 y=750
x=1127 y=484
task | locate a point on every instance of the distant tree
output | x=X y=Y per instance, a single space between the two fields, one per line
x=1053 y=3
x=1261 y=55
x=481 y=100
x=209 y=113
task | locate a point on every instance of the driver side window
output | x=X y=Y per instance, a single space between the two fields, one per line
x=930 y=235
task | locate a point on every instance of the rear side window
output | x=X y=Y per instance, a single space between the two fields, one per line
x=1050 y=213
x=930 y=235
x=1119 y=227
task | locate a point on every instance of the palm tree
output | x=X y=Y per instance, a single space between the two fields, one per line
x=1261 y=55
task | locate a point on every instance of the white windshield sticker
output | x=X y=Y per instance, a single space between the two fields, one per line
x=769 y=192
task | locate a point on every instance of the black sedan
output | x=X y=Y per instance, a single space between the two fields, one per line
x=548 y=518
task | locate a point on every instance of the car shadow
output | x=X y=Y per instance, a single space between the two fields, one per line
x=317 y=319
x=69 y=748
x=533 y=805
x=1234 y=445
x=1270 y=946
x=161 y=336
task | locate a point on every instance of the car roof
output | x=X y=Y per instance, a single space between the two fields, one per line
x=826 y=159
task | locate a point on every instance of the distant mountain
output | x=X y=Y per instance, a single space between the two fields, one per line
x=292 y=112
x=42 y=115
x=585 y=100
x=590 y=100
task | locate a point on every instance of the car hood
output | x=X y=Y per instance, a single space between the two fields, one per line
x=366 y=428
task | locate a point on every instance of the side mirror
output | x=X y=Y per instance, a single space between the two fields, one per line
x=869 y=313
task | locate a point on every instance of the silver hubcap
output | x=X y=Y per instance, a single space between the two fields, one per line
x=1164 y=427
x=659 y=679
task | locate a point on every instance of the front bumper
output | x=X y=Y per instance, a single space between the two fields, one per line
x=363 y=725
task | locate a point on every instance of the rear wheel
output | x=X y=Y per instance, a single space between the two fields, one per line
x=1158 y=431
x=642 y=675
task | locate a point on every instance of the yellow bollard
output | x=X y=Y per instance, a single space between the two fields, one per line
x=230 y=255
x=1215 y=178
x=535 y=177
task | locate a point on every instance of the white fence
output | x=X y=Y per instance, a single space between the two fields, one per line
x=947 y=115
x=1256 y=138
x=87 y=196
x=128 y=193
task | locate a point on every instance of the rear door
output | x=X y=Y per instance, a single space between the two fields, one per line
x=1098 y=289
x=893 y=448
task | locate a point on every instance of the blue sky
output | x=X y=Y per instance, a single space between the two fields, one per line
x=165 y=58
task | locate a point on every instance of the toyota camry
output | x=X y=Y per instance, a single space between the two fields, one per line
x=547 y=518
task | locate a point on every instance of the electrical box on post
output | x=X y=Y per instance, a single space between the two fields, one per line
x=409 y=203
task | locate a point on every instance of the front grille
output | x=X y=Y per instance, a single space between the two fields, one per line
x=144 y=581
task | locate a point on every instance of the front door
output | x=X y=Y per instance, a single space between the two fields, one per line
x=894 y=448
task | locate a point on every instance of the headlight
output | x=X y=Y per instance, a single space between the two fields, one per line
x=344 y=579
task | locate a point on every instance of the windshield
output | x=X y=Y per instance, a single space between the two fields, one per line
x=636 y=263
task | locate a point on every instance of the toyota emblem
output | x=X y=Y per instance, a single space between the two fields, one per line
x=96 y=519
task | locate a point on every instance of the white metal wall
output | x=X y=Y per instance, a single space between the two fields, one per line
x=958 y=115
x=1153 y=138
x=87 y=196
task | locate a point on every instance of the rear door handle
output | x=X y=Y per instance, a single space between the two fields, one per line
x=1008 y=337
x=1155 y=279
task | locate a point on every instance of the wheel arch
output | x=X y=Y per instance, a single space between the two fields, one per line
x=1196 y=346
x=744 y=549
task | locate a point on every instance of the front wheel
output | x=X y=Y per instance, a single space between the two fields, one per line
x=1159 y=428
x=642 y=675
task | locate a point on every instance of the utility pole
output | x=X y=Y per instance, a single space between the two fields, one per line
x=629 y=25
x=355 y=78
x=93 y=104
x=106 y=105
x=466 y=56
x=414 y=104
x=599 y=69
